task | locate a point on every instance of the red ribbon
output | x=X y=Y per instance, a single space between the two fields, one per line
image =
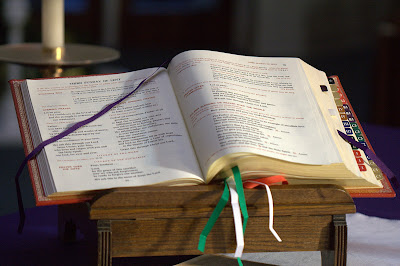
x=269 y=180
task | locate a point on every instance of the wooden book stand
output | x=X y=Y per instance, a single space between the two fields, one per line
x=159 y=221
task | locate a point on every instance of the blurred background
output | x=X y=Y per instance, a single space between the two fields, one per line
x=357 y=40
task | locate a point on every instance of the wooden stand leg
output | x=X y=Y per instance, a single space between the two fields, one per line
x=339 y=221
x=327 y=257
x=104 y=257
x=74 y=217
x=338 y=256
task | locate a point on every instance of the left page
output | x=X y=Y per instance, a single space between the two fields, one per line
x=141 y=141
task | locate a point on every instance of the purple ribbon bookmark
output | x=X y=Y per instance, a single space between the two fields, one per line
x=62 y=135
x=390 y=175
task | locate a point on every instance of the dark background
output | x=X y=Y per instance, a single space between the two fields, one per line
x=356 y=40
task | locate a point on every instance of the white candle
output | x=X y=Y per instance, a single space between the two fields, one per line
x=52 y=23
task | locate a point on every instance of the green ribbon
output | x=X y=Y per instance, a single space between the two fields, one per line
x=213 y=218
x=221 y=205
x=240 y=191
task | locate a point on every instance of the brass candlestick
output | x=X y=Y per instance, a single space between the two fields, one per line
x=53 y=61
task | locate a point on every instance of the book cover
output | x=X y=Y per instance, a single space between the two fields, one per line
x=349 y=118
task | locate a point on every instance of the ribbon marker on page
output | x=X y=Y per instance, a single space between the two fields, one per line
x=237 y=217
x=213 y=218
x=240 y=191
x=63 y=134
x=271 y=209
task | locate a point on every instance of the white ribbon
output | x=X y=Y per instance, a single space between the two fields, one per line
x=271 y=209
x=237 y=217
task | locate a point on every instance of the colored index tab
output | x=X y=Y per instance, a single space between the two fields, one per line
x=349 y=131
x=346 y=123
x=338 y=102
x=333 y=87
x=348 y=113
x=341 y=110
x=354 y=125
x=360 y=138
x=374 y=157
x=336 y=95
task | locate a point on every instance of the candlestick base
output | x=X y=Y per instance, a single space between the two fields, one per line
x=32 y=54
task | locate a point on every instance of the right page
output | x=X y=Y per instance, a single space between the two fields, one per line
x=236 y=107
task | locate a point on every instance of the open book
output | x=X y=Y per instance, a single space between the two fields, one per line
x=188 y=124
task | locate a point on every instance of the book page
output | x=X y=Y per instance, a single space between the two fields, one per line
x=141 y=141
x=242 y=104
x=331 y=114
